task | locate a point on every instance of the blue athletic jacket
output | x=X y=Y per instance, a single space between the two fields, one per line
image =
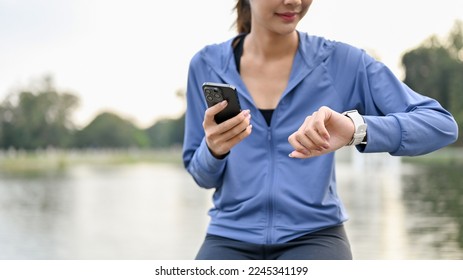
x=262 y=195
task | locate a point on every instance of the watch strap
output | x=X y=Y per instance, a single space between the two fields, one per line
x=360 y=131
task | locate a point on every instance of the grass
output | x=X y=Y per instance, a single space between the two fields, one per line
x=46 y=160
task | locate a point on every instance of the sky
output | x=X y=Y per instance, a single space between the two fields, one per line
x=131 y=56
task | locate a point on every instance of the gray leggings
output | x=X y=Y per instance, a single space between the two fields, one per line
x=327 y=244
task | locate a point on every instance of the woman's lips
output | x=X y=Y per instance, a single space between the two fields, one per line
x=288 y=17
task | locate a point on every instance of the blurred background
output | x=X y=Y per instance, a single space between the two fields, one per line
x=91 y=128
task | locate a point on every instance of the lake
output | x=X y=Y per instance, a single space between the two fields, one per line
x=398 y=210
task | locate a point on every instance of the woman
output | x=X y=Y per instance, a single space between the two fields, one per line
x=275 y=187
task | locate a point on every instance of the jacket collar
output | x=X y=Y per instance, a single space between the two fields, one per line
x=311 y=52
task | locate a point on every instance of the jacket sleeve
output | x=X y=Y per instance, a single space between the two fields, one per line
x=400 y=121
x=205 y=169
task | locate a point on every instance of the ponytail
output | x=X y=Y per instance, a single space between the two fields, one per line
x=243 y=19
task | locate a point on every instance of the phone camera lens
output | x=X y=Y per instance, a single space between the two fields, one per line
x=208 y=91
x=209 y=98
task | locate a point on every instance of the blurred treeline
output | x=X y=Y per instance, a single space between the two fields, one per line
x=41 y=117
x=435 y=69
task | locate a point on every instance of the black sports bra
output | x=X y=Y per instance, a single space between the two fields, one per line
x=238 y=52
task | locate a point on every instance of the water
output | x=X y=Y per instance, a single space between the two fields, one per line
x=155 y=211
x=137 y=211
x=402 y=211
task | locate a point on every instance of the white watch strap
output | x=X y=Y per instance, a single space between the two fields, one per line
x=360 y=127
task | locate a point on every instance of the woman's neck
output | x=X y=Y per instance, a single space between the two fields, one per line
x=271 y=46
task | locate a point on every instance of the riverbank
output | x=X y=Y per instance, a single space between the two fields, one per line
x=446 y=155
x=52 y=159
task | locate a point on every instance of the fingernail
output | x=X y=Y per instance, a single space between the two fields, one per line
x=291 y=155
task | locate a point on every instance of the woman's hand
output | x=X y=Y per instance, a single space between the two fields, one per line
x=323 y=132
x=220 y=138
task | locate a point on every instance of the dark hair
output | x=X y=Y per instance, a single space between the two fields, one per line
x=243 y=19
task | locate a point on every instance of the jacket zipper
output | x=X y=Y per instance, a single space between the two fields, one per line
x=270 y=197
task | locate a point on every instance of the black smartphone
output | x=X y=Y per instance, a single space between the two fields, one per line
x=216 y=93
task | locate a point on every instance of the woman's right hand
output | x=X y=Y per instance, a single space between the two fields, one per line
x=220 y=138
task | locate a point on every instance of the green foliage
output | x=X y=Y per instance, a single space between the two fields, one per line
x=436 y=69
x=41 y=118
x=108 y=130
x=37 y=119
x=167 y=133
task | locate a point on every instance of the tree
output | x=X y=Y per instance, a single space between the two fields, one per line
x=167 y=132
x=435 y=69
x=40 y=118
x=108 y=130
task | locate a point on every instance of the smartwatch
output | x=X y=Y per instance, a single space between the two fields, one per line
x=360 y=133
